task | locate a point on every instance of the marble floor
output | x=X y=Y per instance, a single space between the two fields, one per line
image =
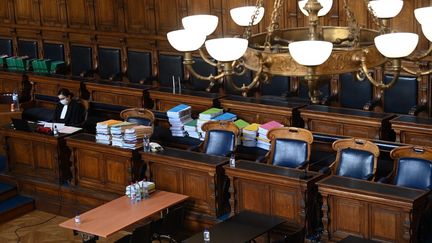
x=42 y=233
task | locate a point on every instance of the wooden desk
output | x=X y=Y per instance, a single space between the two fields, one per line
x=113 y=216
x=243 y=227
x=370 y=210
x=37 y=155
x=262 y=110
x=11 y=80
x=119 y=93
x=347 y=122
x=102 y=167
x=274 y=190
x=413 y=130
x=164 y=99
x=197 y=175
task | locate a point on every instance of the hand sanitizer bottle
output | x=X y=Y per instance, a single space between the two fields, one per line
x=77 y=219
x=206 y=235
x=145 y=190
x=232 y=161
x=15 y=101
x=137 y=192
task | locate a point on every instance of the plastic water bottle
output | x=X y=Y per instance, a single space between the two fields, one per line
x=15 y=102
x=137 y=192
x=77 y=219
x=132 y=193
x=206 y=235
x=232 y=161
x=145 y=190
x=146 y=143
x=55 y=131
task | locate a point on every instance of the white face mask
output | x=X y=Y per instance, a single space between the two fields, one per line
x=64 y=102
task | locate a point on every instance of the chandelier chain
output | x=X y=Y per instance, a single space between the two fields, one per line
x=248 y=31
x=274 y=25
x=354 y=30
x=375 y=19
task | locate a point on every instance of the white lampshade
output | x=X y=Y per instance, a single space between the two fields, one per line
x=427 y=31
x=310 y=52
x=424 y=15
x=396 y=45
x=202 y=23
x=385 y=9
x=185 y=40
x=243 y=15
x=226 y=49
x=326 y=4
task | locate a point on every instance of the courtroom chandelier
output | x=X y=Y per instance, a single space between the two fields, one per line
x=311 y=52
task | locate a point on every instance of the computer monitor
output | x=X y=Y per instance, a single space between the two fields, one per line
x=22 y=125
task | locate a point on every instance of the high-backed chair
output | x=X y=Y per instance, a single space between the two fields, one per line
x=406 y=87
x=279 y=86
x=54 y=51
x=81 y=61
x=220 y=138
x=353 y=93
x=355 y=158
x=412 y=167
x=170 y=66
x=6 y=47
x=110 y=64
x=139 y=116
x=139 y=67
x=28 y=48
x=290 y=147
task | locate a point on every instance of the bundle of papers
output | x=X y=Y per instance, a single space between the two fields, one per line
x=240 y=124
x=207 y=115
x=117 y=132
x=178 y=116
x=103 y=131
x=191 y=129
x=249 y=135
x=225 y=117
x=138 y=186
x=133 y=136
x=263 y=141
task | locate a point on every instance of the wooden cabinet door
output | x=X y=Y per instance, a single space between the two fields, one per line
x=80 y=14
x=109 y=15
x=168 y=16
x=27 y=12
x=139 y=16
x=53 y=13
x=7 y=12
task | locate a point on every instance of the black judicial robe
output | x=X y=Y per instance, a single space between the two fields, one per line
x=75 y=114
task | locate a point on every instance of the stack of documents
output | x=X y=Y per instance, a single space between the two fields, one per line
x=263 y=141
x=225 y=117
x=240 y=124
x=178 y=116
x=192 y=130
x=133 y=137
x=103 y=131
x=206 y=116
x=117 y=132
x=249 y=135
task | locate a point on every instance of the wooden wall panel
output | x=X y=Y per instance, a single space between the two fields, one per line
x=167 y=16
x=80 y=14
x=109 y=15
x=139 y=16
x=53 y=13
x=27 y=12
x=7 y=12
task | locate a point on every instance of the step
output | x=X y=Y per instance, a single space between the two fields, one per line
x=15 y=207
x=7 y=191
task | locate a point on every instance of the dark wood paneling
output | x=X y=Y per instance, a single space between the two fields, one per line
x=139 y=16
x=53 y=13
x=109 y=15
x=167 y=16
x=27 y=12
x=7 y=12
x=80 y=14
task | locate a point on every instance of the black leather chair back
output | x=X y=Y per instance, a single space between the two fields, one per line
x=356 y=163
x=110 y=64
x=246 y=79
x=170 y=66
x=414 y=173
x=402 y=96
x=201 y=67
x=28 y=48
x=6 y=47
x=279 y=86
x=353 y=93
x=139 y=120
x=219 y=142
x=290 y=152
x=139 y=67
x=54 y=51
x=81 y=60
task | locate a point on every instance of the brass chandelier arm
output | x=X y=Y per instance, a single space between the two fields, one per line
x=206 y=59
x=255 y=82
x=419 y=57
x=201 y=77
x=395 y=68
x=416 y=72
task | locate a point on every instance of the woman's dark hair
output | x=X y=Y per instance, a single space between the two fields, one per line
x=65 y=92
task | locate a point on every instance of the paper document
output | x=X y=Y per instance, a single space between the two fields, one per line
x=69 y=129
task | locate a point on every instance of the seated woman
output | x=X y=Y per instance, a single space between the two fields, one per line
x=68 y=110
